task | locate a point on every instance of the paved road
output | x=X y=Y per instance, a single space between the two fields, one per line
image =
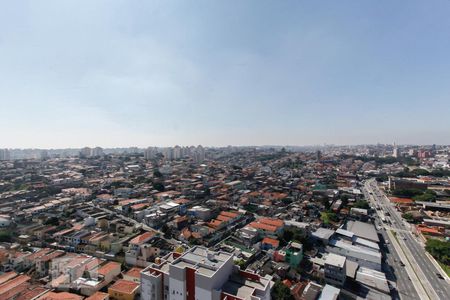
x=395 y=272
x=398 y=274
x=440 y=286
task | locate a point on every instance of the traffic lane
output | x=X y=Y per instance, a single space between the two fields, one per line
x=405 y=288
x=441 y=286
x=404 y=285
x=429 y=273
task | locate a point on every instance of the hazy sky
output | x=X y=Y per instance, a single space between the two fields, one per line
x=140 y=73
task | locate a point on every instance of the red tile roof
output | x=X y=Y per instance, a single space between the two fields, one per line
x=134 y=272
x=98 y=296
x=108 y=267
x=11 y=284
x=275 y=243
x=401 y=200
x=229 y=214
x=7 y=276
x=273 y=222
x=141 y=239
x=124 y=286
x=262 y=226
x=60 y=296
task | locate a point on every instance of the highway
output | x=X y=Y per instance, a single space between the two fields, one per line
x=395 y=272
x=426 y=271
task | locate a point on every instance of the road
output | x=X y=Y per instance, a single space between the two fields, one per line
x=395 y=272
x=436 y=287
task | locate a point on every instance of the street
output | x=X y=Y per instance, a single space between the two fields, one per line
x=423 y=267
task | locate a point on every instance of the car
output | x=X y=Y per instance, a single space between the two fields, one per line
x=402 y=264
x=439 y=276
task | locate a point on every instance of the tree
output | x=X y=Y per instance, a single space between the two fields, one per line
x=5 y=236
x=362 y=204
x=158 y=186
x=427 y=196
x=328 y=216
x=281 y=292
x=408 y=217
x=240 y=263
x=439 y=249
x=52 y=221
x=157 y=173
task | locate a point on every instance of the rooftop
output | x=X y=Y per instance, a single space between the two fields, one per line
x=335 y=260
x=364 y=230
x=60 y=296
x=205 y=261
x=125 y=286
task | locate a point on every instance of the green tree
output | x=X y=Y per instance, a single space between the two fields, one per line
x=427 y=196
x=281 y=292
x=362 y=204
x=158 y=186
x=5 y=236
x=439 y=249
x=52 y=221
x=408 y=217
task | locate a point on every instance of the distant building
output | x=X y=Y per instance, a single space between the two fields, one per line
x=150 y=153
x=85 y=152
x=96 y=152
x=5 y=154
x=395 y=152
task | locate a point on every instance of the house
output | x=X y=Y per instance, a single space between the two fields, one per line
x=98 y=296
x=60 y=296
x=134 y=274
x=123 y=290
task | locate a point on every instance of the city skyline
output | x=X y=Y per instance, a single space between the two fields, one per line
x=119 y=74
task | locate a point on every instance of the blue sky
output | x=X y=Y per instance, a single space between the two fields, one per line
x=140 y=73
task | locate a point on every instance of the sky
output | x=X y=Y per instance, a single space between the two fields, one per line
x=161 y=73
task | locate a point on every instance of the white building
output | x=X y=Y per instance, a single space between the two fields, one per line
x=201 y=274
x=150 y=152
x=335 y=269
x=4 y=154
x=97 y=151
x=85 y=152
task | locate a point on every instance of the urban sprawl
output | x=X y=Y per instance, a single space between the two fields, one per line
x=225 y=223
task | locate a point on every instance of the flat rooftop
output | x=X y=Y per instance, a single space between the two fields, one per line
x=364 y=230
x=206 y=262
x=335 y=260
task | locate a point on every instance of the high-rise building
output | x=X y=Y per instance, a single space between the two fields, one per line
x=199 y=154
x=150 y=152
x=201 y=274
x=176 y=152
x=5 y=154
x=395 y=152
x=318 y=155
x=168 y=153
x=96 y=152
x=85 y=152
x=44 y=154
